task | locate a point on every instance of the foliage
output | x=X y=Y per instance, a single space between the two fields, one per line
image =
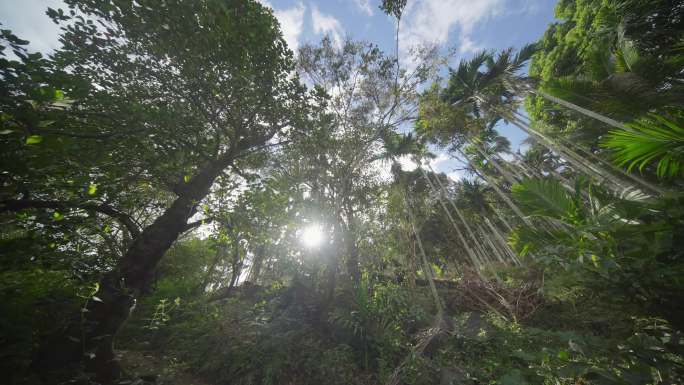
x=393 y=7
x=649 y=140
x=167 y=157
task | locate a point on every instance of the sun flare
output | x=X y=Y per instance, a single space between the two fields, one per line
x=312 y=236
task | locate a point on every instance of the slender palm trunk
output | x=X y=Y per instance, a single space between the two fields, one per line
x=583 y=111
x=495 y=250
x=610 y=166
x=429 y=274
x=502 y=219
x=507 y=175
x=502 y=241
x=575 y=160
x=474 y=259
x=499 y=192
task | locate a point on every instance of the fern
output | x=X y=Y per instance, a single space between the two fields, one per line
x=653 y=139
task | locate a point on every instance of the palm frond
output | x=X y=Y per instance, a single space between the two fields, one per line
x=544 y=197
x=525 y=53
x=651 y=140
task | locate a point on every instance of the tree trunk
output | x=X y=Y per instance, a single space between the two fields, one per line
x=471 y=254
x=351 y=246
x=88 y=342
x=352 y=258
x=236 y=265
x=257 y=262
x=210 y=270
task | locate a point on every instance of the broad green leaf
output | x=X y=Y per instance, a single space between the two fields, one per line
x=92 y=189
x=58 y=216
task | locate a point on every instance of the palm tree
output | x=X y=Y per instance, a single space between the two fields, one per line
x=490 y=87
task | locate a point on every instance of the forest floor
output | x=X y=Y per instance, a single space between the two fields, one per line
x=144 y=367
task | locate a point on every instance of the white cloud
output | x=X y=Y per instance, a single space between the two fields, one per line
x=441 y=158
x=431 y=21
x=291 y=22
x=456 y=175
x=364 y=6
x=529 y=7
x=467 y=45
x=327 y=25
x=28 y=21
x=406 y=162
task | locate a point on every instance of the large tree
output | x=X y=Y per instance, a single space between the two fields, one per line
x=169 y=96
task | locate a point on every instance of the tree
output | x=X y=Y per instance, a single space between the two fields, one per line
x=365 y=99
x=186 y=98
x=604 y=56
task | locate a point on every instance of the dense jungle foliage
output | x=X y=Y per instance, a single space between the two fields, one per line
x=184 y=200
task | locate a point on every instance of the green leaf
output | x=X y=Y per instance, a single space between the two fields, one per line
x=92 y=189
x=595 y=260
x=186 y=178
x=544 y=197
x=58 y=216
x=651 y=140
x=34 y=139
x=563 y=355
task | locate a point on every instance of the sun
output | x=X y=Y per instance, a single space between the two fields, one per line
x=312 y=236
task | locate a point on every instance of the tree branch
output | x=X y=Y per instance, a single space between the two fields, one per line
x=196 y=224
x=125 y=219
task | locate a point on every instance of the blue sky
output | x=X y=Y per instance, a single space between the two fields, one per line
x=465 y=26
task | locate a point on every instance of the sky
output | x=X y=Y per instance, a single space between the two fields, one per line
x=464 y=26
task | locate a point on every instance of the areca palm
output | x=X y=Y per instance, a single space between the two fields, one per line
x=654 y=139
x=487 y=82
x=493 y=85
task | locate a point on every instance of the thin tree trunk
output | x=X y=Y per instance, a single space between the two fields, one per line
x=236 y=264
x=510 y=178
x=501 y=194
x=352 y=257
x=475 y=260
x=479 y=247
x=590 y=154
x=502 y=241
x=426 y=266
x=210 y=269
x=495 y=250
x=583 y=111
x=257 y=262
